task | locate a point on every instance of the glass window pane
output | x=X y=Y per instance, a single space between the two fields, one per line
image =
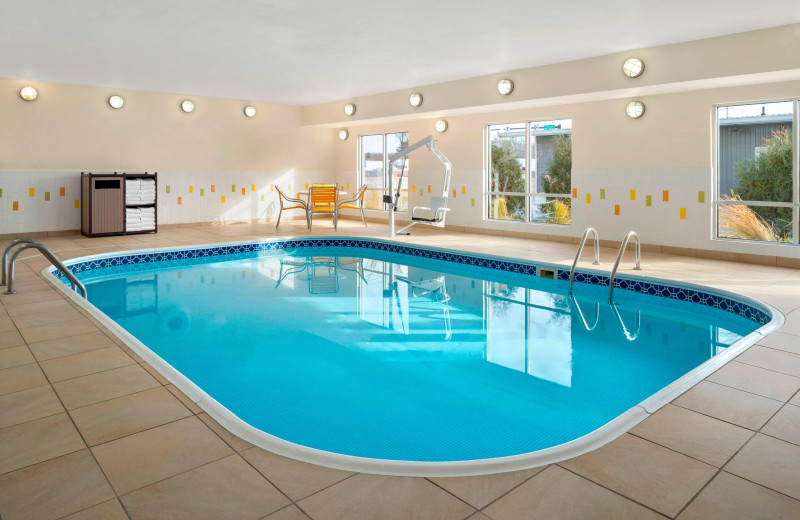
x=551 y=156
x=747 y=222
x=755 y=153
x=507 y=148
x=507 y=207
x=372 y=161
x=373 y=198
x=394 y=143
x=551 y=210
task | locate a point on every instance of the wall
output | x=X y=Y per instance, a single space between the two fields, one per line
x=45 y=144
x=657 y=170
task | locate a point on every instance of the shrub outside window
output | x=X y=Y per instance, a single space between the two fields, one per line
x=530 y=172
x=374 y=168
x=757 y=172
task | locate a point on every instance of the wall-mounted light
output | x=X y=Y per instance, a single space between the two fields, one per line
x=249 y=111
x=343 y=134
x=441 y=125
x=633 y=67
x=505 y=87
x=635 y=109
x=187 y=106
x=28 y=93
x=116 y=101
x=415 y=99
x=349 y=109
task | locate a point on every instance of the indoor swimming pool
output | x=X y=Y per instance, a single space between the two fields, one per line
x=356 y=352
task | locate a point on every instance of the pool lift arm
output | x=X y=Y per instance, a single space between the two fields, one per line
x=438 y=205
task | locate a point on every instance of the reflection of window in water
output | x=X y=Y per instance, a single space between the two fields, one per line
x=529 y=331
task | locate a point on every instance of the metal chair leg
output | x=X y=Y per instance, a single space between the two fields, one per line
x=280 y=212
x=363 y=218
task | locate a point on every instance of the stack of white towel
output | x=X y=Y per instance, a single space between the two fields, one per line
x=140 y=219
x=140 y=191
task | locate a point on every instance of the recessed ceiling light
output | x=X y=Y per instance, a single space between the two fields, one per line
x=635 y=109
x=505 y=87
x=441 y=125
x=187 y=106
x=415 y=99
x=249 y=111
x=28 y=93
x=343 y=134
x=116 y=101
x=633 y=67
x=349 y=109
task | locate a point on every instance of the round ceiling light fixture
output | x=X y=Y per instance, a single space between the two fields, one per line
x=343 y=134
x=187 y=106
x=441 y=125
x=633 y=67
x=349 y=109
x=250 y=111
x=116 y=101
x=28 y=93
x=415 y=99
x=505 y=87
x=635 y=109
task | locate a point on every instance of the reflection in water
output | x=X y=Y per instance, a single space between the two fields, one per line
x=397 y=357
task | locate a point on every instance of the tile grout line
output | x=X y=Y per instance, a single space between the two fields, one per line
x=99 y=467
x=609 y=489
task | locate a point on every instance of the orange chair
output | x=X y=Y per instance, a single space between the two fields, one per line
x=356 y=202
x=290 y=203
x=322 y=199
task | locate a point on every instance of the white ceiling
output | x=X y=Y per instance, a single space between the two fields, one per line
x=303 y=52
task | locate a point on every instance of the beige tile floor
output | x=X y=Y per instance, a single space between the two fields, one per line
x=90 y=431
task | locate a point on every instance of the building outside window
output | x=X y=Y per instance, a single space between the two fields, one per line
x=757 y=172
x=530 y=171
x=374 y=168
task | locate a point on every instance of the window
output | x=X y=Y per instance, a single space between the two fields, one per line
x=757 y=172
x=374 y=168
x=530 y=171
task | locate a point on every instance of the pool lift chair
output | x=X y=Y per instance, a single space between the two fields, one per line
x=433 y=215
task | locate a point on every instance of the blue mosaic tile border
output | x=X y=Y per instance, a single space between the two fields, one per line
x=640 y=286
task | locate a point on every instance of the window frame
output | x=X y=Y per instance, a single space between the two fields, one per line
x=387 y=183
x=529 y=194
x=794 y=205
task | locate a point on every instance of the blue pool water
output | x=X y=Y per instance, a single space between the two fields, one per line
x=389 y=356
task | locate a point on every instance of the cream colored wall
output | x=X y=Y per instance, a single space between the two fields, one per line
x=670 y=148
x=45 y=144
x=767 y=55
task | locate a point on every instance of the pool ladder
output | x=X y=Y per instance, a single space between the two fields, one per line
x=638 y=267
x=8 y=268
x=589 y=231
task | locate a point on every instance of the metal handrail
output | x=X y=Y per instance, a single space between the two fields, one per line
x=638 y=267
x=8 y=250
x=589 y=230
x=77 y=286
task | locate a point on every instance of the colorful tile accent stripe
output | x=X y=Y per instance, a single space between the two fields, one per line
x=616 y=209
x=648 y=200
x=633 y=194
x=683 y=213
x=603 y=194
x=665 y=195
x=588 y=198
x=701 y=197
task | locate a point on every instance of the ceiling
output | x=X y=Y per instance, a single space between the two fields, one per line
x=305 y=52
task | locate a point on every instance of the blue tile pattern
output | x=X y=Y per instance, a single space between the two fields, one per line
x=191 y=256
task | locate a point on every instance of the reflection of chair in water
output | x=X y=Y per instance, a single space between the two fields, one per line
x=323 y=275
x=352 y=264
x=435 y=289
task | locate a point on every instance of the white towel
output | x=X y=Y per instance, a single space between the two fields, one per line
x=148 y=210
x=145 y=182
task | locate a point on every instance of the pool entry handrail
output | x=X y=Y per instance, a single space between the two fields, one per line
x=8 y=268
x=8 y=250
x=586 y=233
x=631 y=235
